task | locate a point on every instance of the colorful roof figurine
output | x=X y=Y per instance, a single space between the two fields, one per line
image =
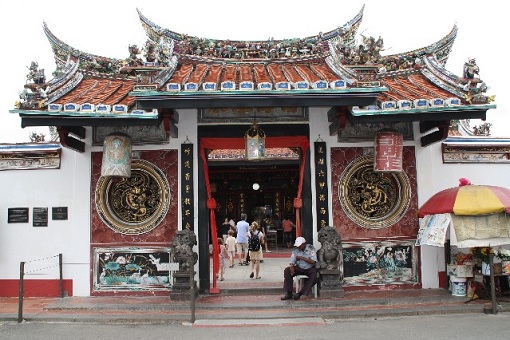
x=174 y=70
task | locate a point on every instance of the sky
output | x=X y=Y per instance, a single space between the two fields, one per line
x=108 y=27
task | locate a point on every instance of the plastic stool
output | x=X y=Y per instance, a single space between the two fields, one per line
x=299 y=281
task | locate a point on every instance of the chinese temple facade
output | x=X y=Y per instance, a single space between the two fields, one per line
x=332 y=131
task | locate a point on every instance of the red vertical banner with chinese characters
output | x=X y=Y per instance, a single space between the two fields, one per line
x=388 y=151
x=321 y=185
x=187 y=205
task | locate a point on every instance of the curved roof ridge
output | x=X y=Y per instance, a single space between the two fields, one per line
x=347 y=32
x=65 y=74
x=439 y=80
x=154 y=31
x=60 y=46
x=441 y=48
x=352 y=25
x=344 y=73
x=440 y=70
x=68 y=87
x=470 y=89
x=88 y=61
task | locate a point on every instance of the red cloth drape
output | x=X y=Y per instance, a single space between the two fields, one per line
x=211 y=205
x=298 y=202
x=239 y=143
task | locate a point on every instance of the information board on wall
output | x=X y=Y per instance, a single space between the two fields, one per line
x=17 y=215
x=40 y=217
x=59 y=213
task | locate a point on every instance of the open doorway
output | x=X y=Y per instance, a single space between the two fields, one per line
x=230 y=182
x=264 y=191
x=256 y=189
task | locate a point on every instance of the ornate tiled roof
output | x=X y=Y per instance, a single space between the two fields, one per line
x=225 y=65
x=327 y=69
x=253 y=50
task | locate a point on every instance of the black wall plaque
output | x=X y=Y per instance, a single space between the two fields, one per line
x=188 y=214
x=17 y=215
x=40 y=217
x=321 y=184
x=59 y=213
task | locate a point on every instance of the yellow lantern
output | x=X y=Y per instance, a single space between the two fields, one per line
x=255 y=143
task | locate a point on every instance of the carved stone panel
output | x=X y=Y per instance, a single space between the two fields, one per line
x=163 y=233
x=357 y=220
x=373 y=199
x=134 y=205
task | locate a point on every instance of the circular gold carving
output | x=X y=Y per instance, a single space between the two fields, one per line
x=134 y=205
x=371 y=199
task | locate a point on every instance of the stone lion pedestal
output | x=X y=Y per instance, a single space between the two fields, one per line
x=330 y=261
x=183 y=253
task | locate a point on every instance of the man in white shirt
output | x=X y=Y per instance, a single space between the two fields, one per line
x=242 y=240
x=302 y=262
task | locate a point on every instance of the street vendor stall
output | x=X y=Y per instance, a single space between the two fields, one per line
x=477 y=216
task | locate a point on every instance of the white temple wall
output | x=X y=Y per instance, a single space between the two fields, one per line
x=68 y=187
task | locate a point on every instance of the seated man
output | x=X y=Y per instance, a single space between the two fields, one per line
x=302 y=262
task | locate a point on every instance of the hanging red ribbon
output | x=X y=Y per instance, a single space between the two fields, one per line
x=298 y=204
x=211 y=205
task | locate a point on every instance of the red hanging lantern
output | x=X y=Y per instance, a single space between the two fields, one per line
x=388 y=151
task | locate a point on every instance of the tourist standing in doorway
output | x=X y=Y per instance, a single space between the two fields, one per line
x=231 y=247
x=255 y=248
x=223 y=257
x=233 y=227
x=263 y=227
x=288 y=228
x=242 y=240
x=223 y=229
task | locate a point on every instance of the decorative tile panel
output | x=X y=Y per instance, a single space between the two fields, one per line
x=166 y=161
x=407 y=226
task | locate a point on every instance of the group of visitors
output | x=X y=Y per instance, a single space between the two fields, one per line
x=248 y=240
x=247 y=243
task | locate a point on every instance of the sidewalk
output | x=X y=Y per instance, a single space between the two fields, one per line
x=245 y=301
x=243 y=309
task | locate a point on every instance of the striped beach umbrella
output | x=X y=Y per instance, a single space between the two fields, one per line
x=468 y=200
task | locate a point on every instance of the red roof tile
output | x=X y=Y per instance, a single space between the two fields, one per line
x=182 y=74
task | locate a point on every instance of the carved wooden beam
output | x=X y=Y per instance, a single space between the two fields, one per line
x=338 y=118
x=169 y=118
x=78 y=131
x=432 y=124
x=69 y=141
x=436 y=136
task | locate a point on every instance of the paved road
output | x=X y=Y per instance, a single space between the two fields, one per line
x=465 y=327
